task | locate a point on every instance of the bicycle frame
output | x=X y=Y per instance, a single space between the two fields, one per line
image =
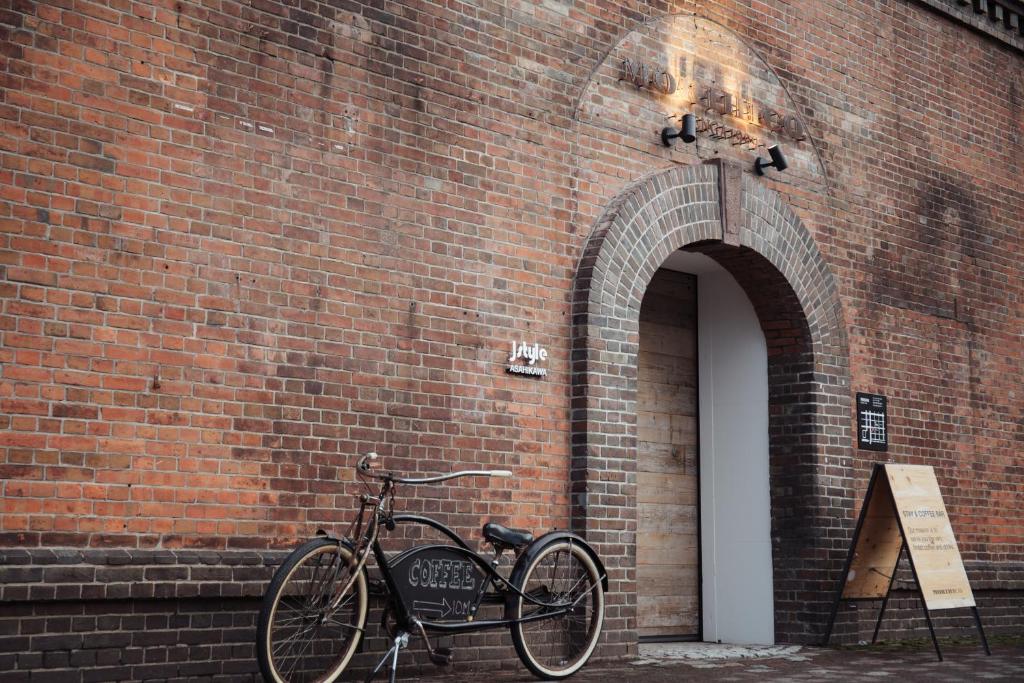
x=493 y=587
x=436 y=587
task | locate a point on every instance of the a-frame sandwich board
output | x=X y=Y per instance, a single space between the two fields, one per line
x=903 y=509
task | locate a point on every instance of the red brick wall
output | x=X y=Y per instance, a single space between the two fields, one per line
x=241 y=243
x=241 y=247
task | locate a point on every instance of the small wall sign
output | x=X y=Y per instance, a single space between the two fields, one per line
x=524 y=358
x=872 y=422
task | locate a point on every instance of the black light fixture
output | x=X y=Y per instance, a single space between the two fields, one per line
x=778 y=161
x=687 y=131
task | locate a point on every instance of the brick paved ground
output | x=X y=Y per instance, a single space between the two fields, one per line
x=904 y=664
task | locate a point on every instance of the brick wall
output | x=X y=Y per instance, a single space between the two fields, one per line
x=242 y=243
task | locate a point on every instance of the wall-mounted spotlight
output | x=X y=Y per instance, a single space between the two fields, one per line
x=778 y=161
x=687 y=131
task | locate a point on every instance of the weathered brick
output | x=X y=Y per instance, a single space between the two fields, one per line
x=230 y=267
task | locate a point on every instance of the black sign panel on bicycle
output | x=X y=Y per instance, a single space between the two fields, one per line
x=437 y=582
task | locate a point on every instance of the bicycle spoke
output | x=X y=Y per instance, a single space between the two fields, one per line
x=290 y=641
x=317 y=582
x=554 y=571
x=284 y=653
x=342 y=624
x=330 y=579
x=281 y=623
x=300 y=609
x=344 y=603
x=298 y=657
x=573 y=588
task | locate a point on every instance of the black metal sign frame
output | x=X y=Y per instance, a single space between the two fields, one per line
x=872 y=422
x=879 y=471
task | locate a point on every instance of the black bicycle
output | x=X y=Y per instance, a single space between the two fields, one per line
x=314 y=612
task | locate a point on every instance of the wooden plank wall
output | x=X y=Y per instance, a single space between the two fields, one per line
x=667 y=539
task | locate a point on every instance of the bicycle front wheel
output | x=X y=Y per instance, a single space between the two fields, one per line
x=312 y=615
x=563 y=577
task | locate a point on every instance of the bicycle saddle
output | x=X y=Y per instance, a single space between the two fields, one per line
x=496 y=533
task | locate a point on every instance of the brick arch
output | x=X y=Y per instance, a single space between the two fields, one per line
x=750 y=230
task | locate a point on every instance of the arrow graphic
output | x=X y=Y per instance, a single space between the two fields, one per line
x=443 y=608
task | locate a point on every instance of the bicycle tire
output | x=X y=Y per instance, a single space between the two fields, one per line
x=294 y=639
x=557 y=647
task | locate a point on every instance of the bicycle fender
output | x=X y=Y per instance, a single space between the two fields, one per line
x=539 y=544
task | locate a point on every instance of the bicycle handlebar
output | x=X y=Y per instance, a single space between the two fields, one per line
x=363 y=467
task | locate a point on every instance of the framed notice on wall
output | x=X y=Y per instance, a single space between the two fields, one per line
x=904 y=511
x=872 y=422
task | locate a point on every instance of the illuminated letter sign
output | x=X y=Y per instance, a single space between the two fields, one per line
x=643 y=76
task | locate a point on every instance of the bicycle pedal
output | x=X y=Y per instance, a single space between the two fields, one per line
x=441 y=656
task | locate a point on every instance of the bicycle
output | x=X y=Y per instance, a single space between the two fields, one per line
x=313 y=616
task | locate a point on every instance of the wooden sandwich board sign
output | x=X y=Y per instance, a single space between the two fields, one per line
x=903 y=509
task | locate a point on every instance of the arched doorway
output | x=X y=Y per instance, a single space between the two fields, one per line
x=773 y=259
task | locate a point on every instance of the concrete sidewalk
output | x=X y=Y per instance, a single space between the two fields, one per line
x=706 y=662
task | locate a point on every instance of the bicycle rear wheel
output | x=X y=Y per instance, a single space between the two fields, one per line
x=557 y=647
x=312 y=615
